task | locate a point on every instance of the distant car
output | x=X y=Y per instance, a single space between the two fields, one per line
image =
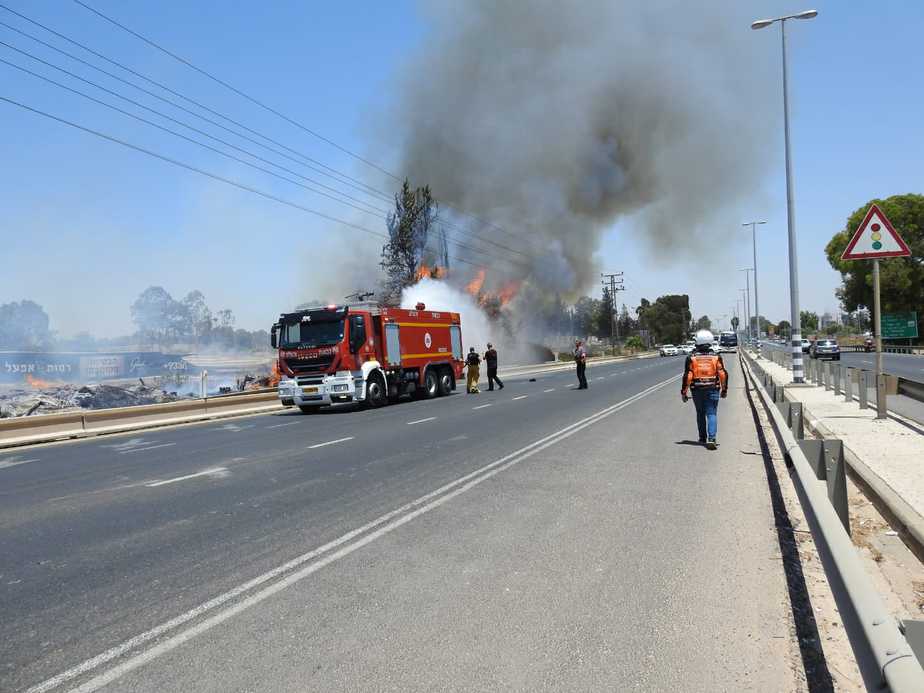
x=668 y=350
x=806 y=345
x=825 y=349
x=687 y=348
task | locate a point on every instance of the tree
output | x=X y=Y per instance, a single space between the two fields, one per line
x=704 y=323
x=809 y=321
x=785 y=329
x=832 y=329
x=667 y=318
x=764 y=324
x=200 y=317
x=605 y=320
x=151 y=312
x=24 y=325
x=408 y=231
x=902 y=279
x=587 y=316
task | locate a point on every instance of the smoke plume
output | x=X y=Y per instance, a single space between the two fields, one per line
x=555 y=119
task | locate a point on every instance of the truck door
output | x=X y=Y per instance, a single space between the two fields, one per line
x=392 y=344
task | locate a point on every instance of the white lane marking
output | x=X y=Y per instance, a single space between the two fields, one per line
x=551 y=389
x=429 y=418
x=150 y=447
x=15 y=462
x=290 y=423
x=330 y=442
x=215 y=471
x=481 y=406
x=601 y=377
x=519 y=397
x=386 y=524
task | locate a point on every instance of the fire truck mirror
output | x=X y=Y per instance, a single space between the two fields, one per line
x=273 y=331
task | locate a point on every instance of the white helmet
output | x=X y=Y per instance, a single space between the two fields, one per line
x=704 y=337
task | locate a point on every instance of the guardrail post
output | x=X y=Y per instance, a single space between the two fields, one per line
x=837 y=380
x=863 y=383
x=792 y=412
x=836 y=477
x=825 y=374
x=881 y=396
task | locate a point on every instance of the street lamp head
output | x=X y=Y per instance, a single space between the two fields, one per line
x=808 y=14
x=762 y=23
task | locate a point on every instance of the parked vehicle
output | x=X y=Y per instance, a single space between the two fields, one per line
x=806 y=345
x=668 y=350
x=366 y=353
x=825 y=349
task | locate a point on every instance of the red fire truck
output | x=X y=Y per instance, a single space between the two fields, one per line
x=365 y=352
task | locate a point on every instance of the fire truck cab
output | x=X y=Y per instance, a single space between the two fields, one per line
x=366 y=353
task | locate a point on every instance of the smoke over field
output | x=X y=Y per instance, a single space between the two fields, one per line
x=554 y=119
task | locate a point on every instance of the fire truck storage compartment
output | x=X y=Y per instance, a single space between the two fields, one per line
x=393 y=344
x=455 y=338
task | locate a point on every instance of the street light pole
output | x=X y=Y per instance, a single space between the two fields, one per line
x=798 y=375
x=747 y=313
x=747 y=280
x=753 y=225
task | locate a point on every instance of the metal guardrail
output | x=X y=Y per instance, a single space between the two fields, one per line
x=883 y=654
x=819 y=372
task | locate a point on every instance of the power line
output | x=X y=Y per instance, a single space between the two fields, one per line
x=371 y=208
x=207 y=174
x=352 y=182
x=270 y=109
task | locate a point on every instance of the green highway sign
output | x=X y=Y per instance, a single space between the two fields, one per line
x=900 y=325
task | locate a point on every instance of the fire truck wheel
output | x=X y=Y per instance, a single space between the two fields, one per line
x=445 y=382
x=431 y=384
x=376 y=392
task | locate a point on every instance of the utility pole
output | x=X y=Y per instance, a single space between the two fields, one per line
x=613 y=282
x=747 y=278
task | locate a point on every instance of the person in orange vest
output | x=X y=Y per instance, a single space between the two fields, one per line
x=705 y=377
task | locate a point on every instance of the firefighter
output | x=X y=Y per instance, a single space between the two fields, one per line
x=472 y=363
x=704 y=373
x=490 y=360
x=580 y=359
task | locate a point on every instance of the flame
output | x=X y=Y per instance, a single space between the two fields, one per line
x=36 y=383
x=274 y=375
x=425 y=271
x=508 y=291
x=474 y=286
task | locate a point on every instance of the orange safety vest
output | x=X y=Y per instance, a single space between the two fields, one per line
x=706 y=370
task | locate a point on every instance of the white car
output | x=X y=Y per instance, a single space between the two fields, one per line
x=668 y=350
x=688 y=348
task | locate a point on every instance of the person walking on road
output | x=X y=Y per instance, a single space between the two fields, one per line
x=704 y=374
x=473 y=363
x=580 y=359
x=490 y=360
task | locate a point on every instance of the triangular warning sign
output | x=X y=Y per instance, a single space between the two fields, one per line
x=874 y=238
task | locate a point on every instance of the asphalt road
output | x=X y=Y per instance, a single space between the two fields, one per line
x=535 y=538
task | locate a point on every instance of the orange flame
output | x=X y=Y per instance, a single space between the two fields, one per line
x=274 y=375
x=474 y=286
x=424 y=270
x=36 y=383
x=508 y=291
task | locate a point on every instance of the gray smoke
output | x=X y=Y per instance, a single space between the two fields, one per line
x=555 y=119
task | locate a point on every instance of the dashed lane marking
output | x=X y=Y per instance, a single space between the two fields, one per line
x=330 y=442
x=520 y=397
x=150 y=447
x=551 y=389
x=15 y=462
x=481 y=406
x=419 y=421
x=289 y=423
x=216 y=471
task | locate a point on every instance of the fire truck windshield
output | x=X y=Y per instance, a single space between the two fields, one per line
x=309 y=335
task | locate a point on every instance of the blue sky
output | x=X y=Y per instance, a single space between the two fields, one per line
x=88 y=225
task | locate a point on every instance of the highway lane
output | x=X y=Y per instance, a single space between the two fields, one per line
x=131 y=530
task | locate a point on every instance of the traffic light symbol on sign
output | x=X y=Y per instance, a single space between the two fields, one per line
x=877 y=237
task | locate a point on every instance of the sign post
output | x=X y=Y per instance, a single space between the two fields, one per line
x=874 y=239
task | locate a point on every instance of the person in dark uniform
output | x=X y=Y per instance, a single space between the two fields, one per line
x=490 y=361
x=580 y=358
